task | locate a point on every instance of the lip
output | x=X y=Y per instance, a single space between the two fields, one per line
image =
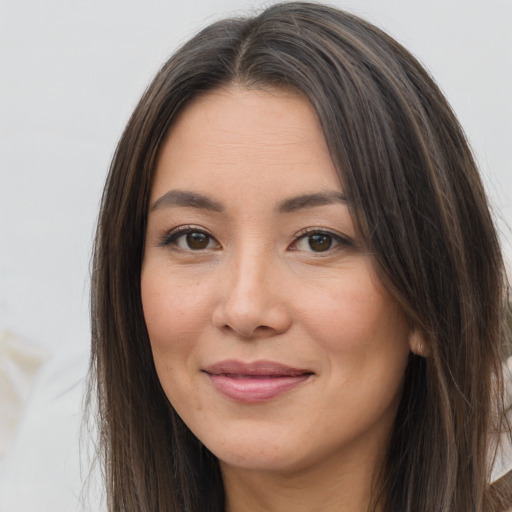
x=255 y=382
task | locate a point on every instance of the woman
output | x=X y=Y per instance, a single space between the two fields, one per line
x=298 y=294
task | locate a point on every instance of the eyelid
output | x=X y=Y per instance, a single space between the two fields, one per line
x=170 y=237
x=343 y=240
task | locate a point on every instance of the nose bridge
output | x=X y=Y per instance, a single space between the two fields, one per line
x=250 y=304
x=248 y=280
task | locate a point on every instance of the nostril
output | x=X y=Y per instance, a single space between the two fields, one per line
x=248 y=317
x=263 y=329
x=258 y=332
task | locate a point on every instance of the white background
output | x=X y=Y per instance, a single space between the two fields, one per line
x=70 y=74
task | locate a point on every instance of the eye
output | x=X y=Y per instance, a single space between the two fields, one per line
x=190 y=239
x=319 y=241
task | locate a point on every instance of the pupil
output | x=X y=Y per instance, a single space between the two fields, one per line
x=197 y=240
x=320 y=243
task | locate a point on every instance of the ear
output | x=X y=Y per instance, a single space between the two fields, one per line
x=417 y=343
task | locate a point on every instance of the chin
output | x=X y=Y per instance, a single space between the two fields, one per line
x=261 y=460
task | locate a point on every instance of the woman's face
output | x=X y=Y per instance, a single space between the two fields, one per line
x=272 y=336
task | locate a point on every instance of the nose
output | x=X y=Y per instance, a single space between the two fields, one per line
x=252 y=301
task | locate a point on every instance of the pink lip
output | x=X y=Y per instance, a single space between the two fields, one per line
x=254 y=382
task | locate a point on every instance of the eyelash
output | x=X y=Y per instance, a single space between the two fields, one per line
x=340 y=241
x=172 y=237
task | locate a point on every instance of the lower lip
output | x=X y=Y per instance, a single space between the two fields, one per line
x=254 y=389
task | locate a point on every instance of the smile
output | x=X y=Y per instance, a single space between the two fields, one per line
x=254 y=382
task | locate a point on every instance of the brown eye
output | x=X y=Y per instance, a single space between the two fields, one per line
x=316 y=241
x=320 y=242
x=197 y=241
x=190 y=239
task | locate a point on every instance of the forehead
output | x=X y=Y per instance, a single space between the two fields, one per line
x=246 y=138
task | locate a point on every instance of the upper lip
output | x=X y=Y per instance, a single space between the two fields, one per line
x=258 y=368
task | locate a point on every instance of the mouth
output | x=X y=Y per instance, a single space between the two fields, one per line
x=255 y=382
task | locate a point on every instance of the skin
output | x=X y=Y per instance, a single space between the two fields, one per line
x=258 y=288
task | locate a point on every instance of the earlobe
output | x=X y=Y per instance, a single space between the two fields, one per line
x=417 y=343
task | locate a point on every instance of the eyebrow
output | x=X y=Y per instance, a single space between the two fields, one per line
x=311 y=200
x=187 y=199
x=194 y=200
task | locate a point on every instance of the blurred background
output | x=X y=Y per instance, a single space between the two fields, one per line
x=71 y=72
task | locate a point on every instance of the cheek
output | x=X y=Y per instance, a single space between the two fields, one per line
x=354 y=316
x=174 y=314
x=363 y=337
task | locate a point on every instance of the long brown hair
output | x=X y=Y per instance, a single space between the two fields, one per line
x=417 y=200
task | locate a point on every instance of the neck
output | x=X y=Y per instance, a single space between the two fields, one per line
x=331 y=488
